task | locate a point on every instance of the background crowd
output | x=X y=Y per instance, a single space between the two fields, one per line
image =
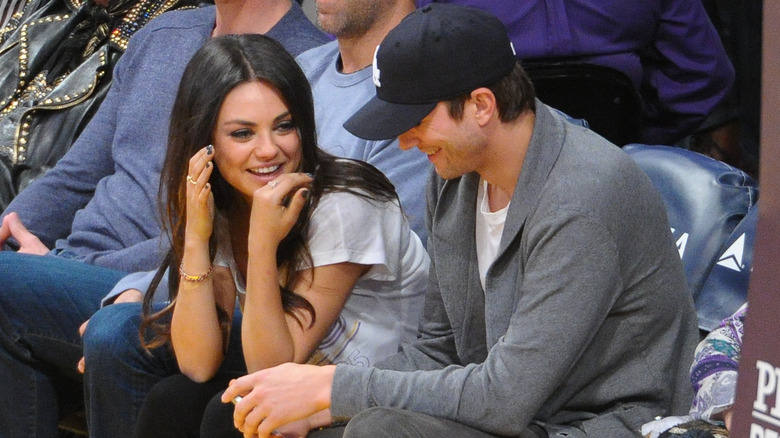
x=119 y=176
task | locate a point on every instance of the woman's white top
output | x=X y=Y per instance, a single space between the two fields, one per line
x=386 y=302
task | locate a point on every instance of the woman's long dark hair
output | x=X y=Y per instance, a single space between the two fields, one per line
x=217 y=68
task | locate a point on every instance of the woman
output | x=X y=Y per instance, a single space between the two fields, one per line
x=308 y=254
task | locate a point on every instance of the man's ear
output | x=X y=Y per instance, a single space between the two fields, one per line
x=485 y=106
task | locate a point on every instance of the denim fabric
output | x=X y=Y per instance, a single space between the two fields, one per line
x=120 y=372
x=43 y=301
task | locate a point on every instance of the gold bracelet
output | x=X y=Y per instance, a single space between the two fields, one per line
x=194 y=278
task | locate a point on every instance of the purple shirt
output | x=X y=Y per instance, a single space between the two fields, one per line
x=669 y=49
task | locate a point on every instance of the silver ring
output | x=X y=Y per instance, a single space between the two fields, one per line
x=273 y=184
x=191 y=180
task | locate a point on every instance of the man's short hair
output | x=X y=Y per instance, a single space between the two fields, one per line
x=514 y=95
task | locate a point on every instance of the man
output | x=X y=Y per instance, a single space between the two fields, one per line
x=340 y=76
x=557 y=303
x=98 y=208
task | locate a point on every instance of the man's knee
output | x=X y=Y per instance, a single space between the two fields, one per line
x=113 y=329
x=17 y=271
x=54 y=282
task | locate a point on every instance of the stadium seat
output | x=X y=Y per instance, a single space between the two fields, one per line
x=707 y=203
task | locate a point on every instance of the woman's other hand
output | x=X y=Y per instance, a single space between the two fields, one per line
x=276 y=207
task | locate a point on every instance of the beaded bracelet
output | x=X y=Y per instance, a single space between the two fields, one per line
x=194 y=278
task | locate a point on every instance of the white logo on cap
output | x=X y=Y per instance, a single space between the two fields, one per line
x=376 y=69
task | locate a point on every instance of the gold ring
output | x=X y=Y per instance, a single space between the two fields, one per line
x=273 y=184
x=191 y=180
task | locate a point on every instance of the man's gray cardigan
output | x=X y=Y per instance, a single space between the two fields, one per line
x=586 y=323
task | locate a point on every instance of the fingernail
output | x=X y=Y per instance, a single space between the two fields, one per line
x=209 y=150
x=311 y=175
x=305 y=194
x=209 y=163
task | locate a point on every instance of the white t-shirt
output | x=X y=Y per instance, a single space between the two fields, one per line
x=386 y=302
x=489 y=227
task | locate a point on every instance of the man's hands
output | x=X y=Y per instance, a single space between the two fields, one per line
x=274 y=397
x=29 y=243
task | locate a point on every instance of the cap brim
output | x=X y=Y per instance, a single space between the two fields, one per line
x=381 y=120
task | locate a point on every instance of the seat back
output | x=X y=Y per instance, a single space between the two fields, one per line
x=603 y=96
x=706 y=200
x=726 y=288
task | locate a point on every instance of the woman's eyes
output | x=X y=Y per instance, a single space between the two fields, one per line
x=285 y=126
x=282 y=127
x=241 y=134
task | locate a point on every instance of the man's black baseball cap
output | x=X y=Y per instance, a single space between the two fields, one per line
x=436 y=53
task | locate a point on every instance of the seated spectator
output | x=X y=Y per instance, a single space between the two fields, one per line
x=731 y=132
x=97 y=209
x=556 y=304
x=324 y=269
x=348 y=79
x=714 y=370
x=669 y=49
x=340 y=77
x=714 y=379
x=56 y=71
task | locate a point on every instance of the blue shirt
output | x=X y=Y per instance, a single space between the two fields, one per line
x=336 y=97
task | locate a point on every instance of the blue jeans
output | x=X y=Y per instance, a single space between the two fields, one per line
x=120 y=372
x=43 y=301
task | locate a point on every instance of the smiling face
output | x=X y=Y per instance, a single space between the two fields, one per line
x=452 y=145
x=255 y=138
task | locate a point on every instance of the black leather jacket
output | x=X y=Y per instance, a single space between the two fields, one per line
x=39 y=121
x=35 y=132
